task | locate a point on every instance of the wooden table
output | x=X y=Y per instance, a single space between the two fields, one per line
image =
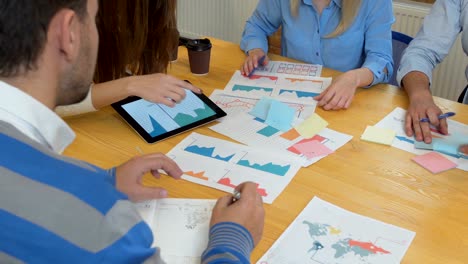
x=370 y=179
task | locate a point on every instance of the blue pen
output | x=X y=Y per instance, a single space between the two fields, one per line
x=442 y=116
x=260 y=62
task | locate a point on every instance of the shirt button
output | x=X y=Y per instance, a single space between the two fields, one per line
x=316 y=53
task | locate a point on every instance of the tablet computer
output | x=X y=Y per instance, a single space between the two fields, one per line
x=155 y=122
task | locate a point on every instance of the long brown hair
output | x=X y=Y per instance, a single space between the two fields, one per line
x=135 y=36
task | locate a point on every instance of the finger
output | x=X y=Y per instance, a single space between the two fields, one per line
x=443 y=126
x=417 y=128
x=266 y=61
x=463 y=149
x=191 y=87
x=426 y=132
x=250 y=65
x=409 y=125
x=246 y=67
x=149 y=193
x=159 y=161
x=326 y=98
x=176 y=96
x=348 y=102
x=223 y=202
x=340 y=103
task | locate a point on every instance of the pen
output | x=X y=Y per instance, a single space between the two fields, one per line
x=236 y=196
x=260 y=62
x=442 y=116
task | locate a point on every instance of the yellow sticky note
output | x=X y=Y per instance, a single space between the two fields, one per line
x=378 y=135
x=311 y=126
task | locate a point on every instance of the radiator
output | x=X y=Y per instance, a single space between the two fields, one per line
x=225 y=19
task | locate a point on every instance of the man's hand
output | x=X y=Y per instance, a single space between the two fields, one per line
x=423 y=107
x=247 y=211
x=129 y=175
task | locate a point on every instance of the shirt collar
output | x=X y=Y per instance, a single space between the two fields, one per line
x=34 y=119
x=337 y=2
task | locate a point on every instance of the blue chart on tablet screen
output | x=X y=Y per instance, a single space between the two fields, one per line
x=158 y=119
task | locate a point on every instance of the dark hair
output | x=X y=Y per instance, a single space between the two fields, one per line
x=23 y=30
x=135 y=35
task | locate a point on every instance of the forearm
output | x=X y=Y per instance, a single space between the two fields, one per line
x=362 y=77
x=106 y=93
x=416 y=85
x=229 y=243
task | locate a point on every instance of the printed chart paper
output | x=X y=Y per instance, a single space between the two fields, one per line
x=395 y=120
x=180 y=227
x=289 y=68
x=233 y=104
x=249 y=130
x=300 y=89
x=327 y=234
x=224 y=165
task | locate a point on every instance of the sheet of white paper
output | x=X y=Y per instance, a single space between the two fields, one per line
x=395 y=120
x=326 y=233
x=243 y=128
x=301 y=89
x=233 y=104
x=180 y=227
x=224 y=165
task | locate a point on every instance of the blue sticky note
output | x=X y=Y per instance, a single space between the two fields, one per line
x=449 y=145
x=261 y=108
x=445 y=147
x=267 y=131
x=280 y=116
x=422 y=145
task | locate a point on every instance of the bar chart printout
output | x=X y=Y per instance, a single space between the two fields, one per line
x=224 y=165
x=324 y=234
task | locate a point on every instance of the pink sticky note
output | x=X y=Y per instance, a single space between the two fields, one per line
x=434 y=162
x=312 y=149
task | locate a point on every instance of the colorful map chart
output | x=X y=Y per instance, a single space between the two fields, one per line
x=324 y=234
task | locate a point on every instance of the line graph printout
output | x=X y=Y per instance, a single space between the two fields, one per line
x=233 y=104
x=302 y=89
x=289 y=68
x=324 y=233
x=245 y=129
x=179 y=226
x=272 y=172
x=395 y=120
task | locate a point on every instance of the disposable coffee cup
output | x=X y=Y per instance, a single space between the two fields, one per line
x=199 y=52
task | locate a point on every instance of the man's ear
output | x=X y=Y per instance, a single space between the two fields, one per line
x=67 y=28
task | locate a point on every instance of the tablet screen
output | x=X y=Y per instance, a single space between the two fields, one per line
x=155 y=122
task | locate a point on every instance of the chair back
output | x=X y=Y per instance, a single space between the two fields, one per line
x=399 y=43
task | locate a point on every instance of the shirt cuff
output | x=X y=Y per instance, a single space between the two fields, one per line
x=112 y=174
x=255 y=44
x=229 y=242
x=82 y=107
x=414 y=64
x=377 y=66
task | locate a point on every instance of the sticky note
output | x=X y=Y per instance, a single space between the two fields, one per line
x=280 y=116
x=261 y=108
x=449 y=145
x=422 y=145
x=267 y=131
x=378 y=135
x=434 y=162
x=311 y=126
x=312 y=149
x=291 y=134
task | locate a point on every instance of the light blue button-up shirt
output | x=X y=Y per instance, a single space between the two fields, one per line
x=367 y=42
x=435 y=38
